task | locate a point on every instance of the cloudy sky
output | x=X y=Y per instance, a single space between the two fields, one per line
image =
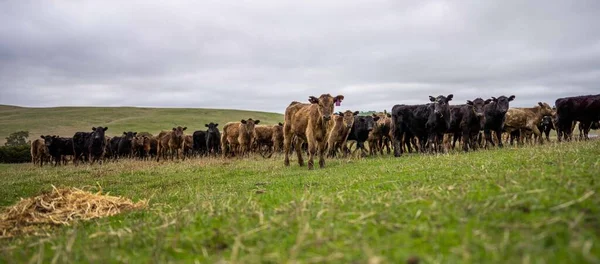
x=261 y=55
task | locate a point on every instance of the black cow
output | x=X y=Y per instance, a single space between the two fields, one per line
x=438 y=120
x=125 y=147
x=402 y=115
x=585 y=109
x=471 y=122
x=58 y=147
x=114 y=147
x=199 y=146
x=80 y=151
x=495 y=113
x=213 y=139
x=96 y=144
x=360 y=131
x=585 y=127
x=546 y=125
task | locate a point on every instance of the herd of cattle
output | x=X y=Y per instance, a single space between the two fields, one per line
x=315 y=128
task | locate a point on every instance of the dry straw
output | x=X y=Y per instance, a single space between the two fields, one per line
x=61 y=207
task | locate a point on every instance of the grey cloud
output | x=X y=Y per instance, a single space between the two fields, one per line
x=265 y=54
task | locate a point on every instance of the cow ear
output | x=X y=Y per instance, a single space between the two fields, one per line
x=135 y=133
x=431 y=98
x=184 y=128
x=449 y=97
x=217 y=124
x=93 y=129
x=243 y=121
x=206 y=125
x=388 y=115
x=105 y=128
x=280 y=124
x=338 y=98
x=469 y=102
x=494 y=99
x=541 y=104
x=512 y=97
x=487 y=101
x=340 y=113
x=174 y=129
x=375 y=118
x=256 y=121
x=313 y=100
x=42 y=136
x=356 y=113
x=124 y=133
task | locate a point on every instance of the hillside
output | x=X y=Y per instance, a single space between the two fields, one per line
x=65 y=121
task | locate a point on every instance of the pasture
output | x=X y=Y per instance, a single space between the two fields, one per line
x=532 y=204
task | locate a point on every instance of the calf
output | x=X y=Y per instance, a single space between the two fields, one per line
x=585 y=109
x=79 y=148
x=39 y=152
x=213 y=139
x=400 y=131
x=495 y=113
x=263 y=138
x=199 y=143
x=188 y=147
x=545 y=126
x=438 y=121
x=58 y=147
x=278 y=137
x=380 y=135
x=527 y=119
x=360 y=130
x=95 y=144
x=114 y=147
x=125 y=147
x=172 y=141
x=472 y=119
x=238 y=136
x=340 y=127
x=142 y=146
x=308 y=123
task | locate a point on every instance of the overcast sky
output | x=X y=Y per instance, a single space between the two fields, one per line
x=261 y=55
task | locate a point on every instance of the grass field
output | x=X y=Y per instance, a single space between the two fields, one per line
x=65 y=121
x=515 y=205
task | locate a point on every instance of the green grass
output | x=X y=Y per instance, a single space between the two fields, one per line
x=515 y=205
x=65 y=121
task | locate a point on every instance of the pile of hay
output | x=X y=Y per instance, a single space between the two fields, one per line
x=60 y=207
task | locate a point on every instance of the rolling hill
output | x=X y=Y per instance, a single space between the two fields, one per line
x=65 y=121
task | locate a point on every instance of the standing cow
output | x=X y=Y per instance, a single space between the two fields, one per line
x=495 y=114
x=238 y=137
x=308 y=123
x=95 y=144
x=340 y=127
x=527 y=119
x=39 y=152
x=585 y=109
x=213 y=139
x=171 y=141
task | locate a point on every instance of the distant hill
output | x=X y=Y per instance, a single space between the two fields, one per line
x=65 y=121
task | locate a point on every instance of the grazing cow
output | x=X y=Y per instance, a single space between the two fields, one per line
x=339 y=129
x=95 y=145
x=79 y=149
x=172 y=141
x=308 y=123
x=495 y=113
x=472 y=119
x=58 y=147
x=278 y=137
x=362 y=126
x=199 y=142
x=526 y=119
x=402 y=116
x=545 y=126
x=585 y=109
x=380 y=135
x=213 y=139
x=238 y=136
x=39 y=152
x=125 y=147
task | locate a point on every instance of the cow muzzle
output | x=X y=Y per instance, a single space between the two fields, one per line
x=326 y=117
x=479 y=114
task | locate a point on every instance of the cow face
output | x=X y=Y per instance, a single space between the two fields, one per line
x=545 y=109
x=364 y=123
x=250 y=124
x=546 y=121
x=441 y=107
x=502 y=103
x=212 y=129
x=48 y=140
x=129 y=135
x=178 y=132
x=478 y=106
x=98 y=133
x=325 y=104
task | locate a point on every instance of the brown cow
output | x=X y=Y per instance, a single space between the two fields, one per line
x=263 y=137
x=238 y=137
x=39 y=152
x=278 y=137
x=379 y=137
x=172 y=141
x=141 y=146
x=308 y=123
x=339 y=128
x=189 y=145
x=526 y=119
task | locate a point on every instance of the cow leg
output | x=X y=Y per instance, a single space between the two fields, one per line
x=538 y=135
x=298 y=149
x=321 y=150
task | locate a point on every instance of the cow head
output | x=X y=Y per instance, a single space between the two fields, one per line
x=212 y=129
x=441 y=107
x=502 y=103
x=250 y=124
x=545 y=109
x=129 y=135
x=178 y=132
x=546 y=121
x=98 y=133
x=478 y=106
x=48 y=140
x=348 y=118
x=364 y=123
x=325 y=104
x=280 y=124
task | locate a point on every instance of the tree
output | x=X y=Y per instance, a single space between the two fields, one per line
x=17 y=139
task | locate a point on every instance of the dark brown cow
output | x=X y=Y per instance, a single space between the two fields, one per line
x=188 y=148
x=278 y=137
x=340 y=127
x=263 y=137
x=172 y=141
x=526 y=119
x=238 y=137
x=379 y=137
x=39 y=152
x=308 y=123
